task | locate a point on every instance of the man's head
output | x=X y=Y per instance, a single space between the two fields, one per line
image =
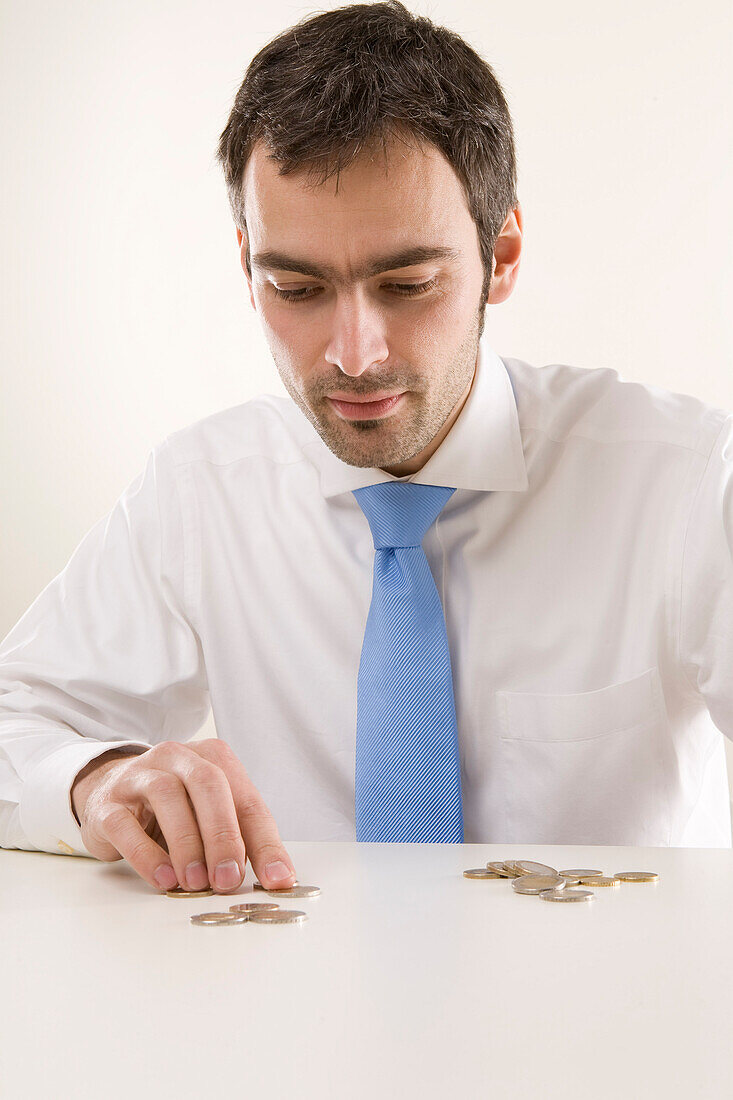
x=414 y=127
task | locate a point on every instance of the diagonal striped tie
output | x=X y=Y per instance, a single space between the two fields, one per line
x=408 y=775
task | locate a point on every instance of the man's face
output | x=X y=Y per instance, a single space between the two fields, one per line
x=348 y=333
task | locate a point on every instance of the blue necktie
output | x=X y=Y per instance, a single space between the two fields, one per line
x=408 y=775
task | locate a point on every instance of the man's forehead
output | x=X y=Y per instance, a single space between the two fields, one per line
x=415 y=182
x=288 y=219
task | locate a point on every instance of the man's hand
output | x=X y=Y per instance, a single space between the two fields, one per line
x=197 y=800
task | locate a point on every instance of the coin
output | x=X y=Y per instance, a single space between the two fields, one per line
x=529 y=868
x=535 y=884
x=219 y=918
x=296 y=892
x=600 y=880
x=270 y=890
x=637 y=876
x=179 y=892
x=570 y=880
x=512 y=868
x=253 y=906
x=500 y=869
x=278 y=916
x=481 y=872
x=582 y=873
x=566 y=895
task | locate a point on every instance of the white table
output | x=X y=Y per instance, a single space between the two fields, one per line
x=407 y=980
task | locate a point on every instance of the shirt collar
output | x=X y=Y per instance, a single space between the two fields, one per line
x=483 y=449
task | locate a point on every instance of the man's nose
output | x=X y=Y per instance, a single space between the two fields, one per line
x=358 y=339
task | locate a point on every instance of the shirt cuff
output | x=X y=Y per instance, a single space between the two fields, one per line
x=45 y=811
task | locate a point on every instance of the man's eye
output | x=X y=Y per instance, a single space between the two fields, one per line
x=404 y=290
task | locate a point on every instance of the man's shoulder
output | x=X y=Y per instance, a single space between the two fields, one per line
x=269 y=426
x=598 y=403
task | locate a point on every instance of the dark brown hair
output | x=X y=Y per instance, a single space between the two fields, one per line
x=336 y=81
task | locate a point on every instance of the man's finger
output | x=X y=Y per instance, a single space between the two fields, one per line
x=125 y=832
x=265 y=850
x=192 y=801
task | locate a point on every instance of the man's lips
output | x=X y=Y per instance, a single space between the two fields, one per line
x=357 y=398
x=361 y=409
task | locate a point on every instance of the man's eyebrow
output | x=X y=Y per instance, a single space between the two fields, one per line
x=271 y=259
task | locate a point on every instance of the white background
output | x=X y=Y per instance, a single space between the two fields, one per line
x=124 y=314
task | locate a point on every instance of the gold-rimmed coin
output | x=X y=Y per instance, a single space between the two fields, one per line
x=481 y=872
x=600 y=880
x=535 y=884
x=582 y=872
x=253 y=906
x=278 y=916
x=512 y=868
x=527 y=867
x=219 y=918
x=179 y=892
x=637 y=876
x=566 y=895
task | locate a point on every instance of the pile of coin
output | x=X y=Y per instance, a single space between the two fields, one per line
x=552 y=885
x=256 y=912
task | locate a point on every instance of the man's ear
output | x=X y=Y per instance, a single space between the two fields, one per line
x=243 y=242
x=507 y=253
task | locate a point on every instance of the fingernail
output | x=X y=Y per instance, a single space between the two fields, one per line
x=197 y=876
x=277 y=871
x=227 y=874
x=165 y=876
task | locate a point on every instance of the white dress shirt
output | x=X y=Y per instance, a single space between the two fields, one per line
x=583 y=564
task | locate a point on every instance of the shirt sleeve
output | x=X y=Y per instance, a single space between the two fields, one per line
x=105 y=657
x=706 y=597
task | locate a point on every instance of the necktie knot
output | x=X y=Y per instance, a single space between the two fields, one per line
x=400 y=512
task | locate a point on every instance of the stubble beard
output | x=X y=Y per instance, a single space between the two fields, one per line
x=370 y=443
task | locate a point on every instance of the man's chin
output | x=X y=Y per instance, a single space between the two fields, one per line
x=365 y=455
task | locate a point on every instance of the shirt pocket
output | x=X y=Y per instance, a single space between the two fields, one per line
x=589 y=768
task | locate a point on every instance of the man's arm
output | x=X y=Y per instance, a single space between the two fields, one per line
x=104 y=659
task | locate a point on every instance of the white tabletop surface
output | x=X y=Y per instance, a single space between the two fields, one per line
x=407 y=980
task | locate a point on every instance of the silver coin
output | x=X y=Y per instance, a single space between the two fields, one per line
x=512 y=868
x=481 y=872
x=219 y=918
x=528 y=868
x=571 y=880
x=253 y=906
x=535 y=884
x=278 y=916
x=566 y=895
x=580 y=873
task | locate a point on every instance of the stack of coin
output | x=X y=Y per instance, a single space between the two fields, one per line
x=179 y=892
x=551 y=885
x=256 y=912
x=294 y=891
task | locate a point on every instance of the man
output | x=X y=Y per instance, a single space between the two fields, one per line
x=438 y=595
